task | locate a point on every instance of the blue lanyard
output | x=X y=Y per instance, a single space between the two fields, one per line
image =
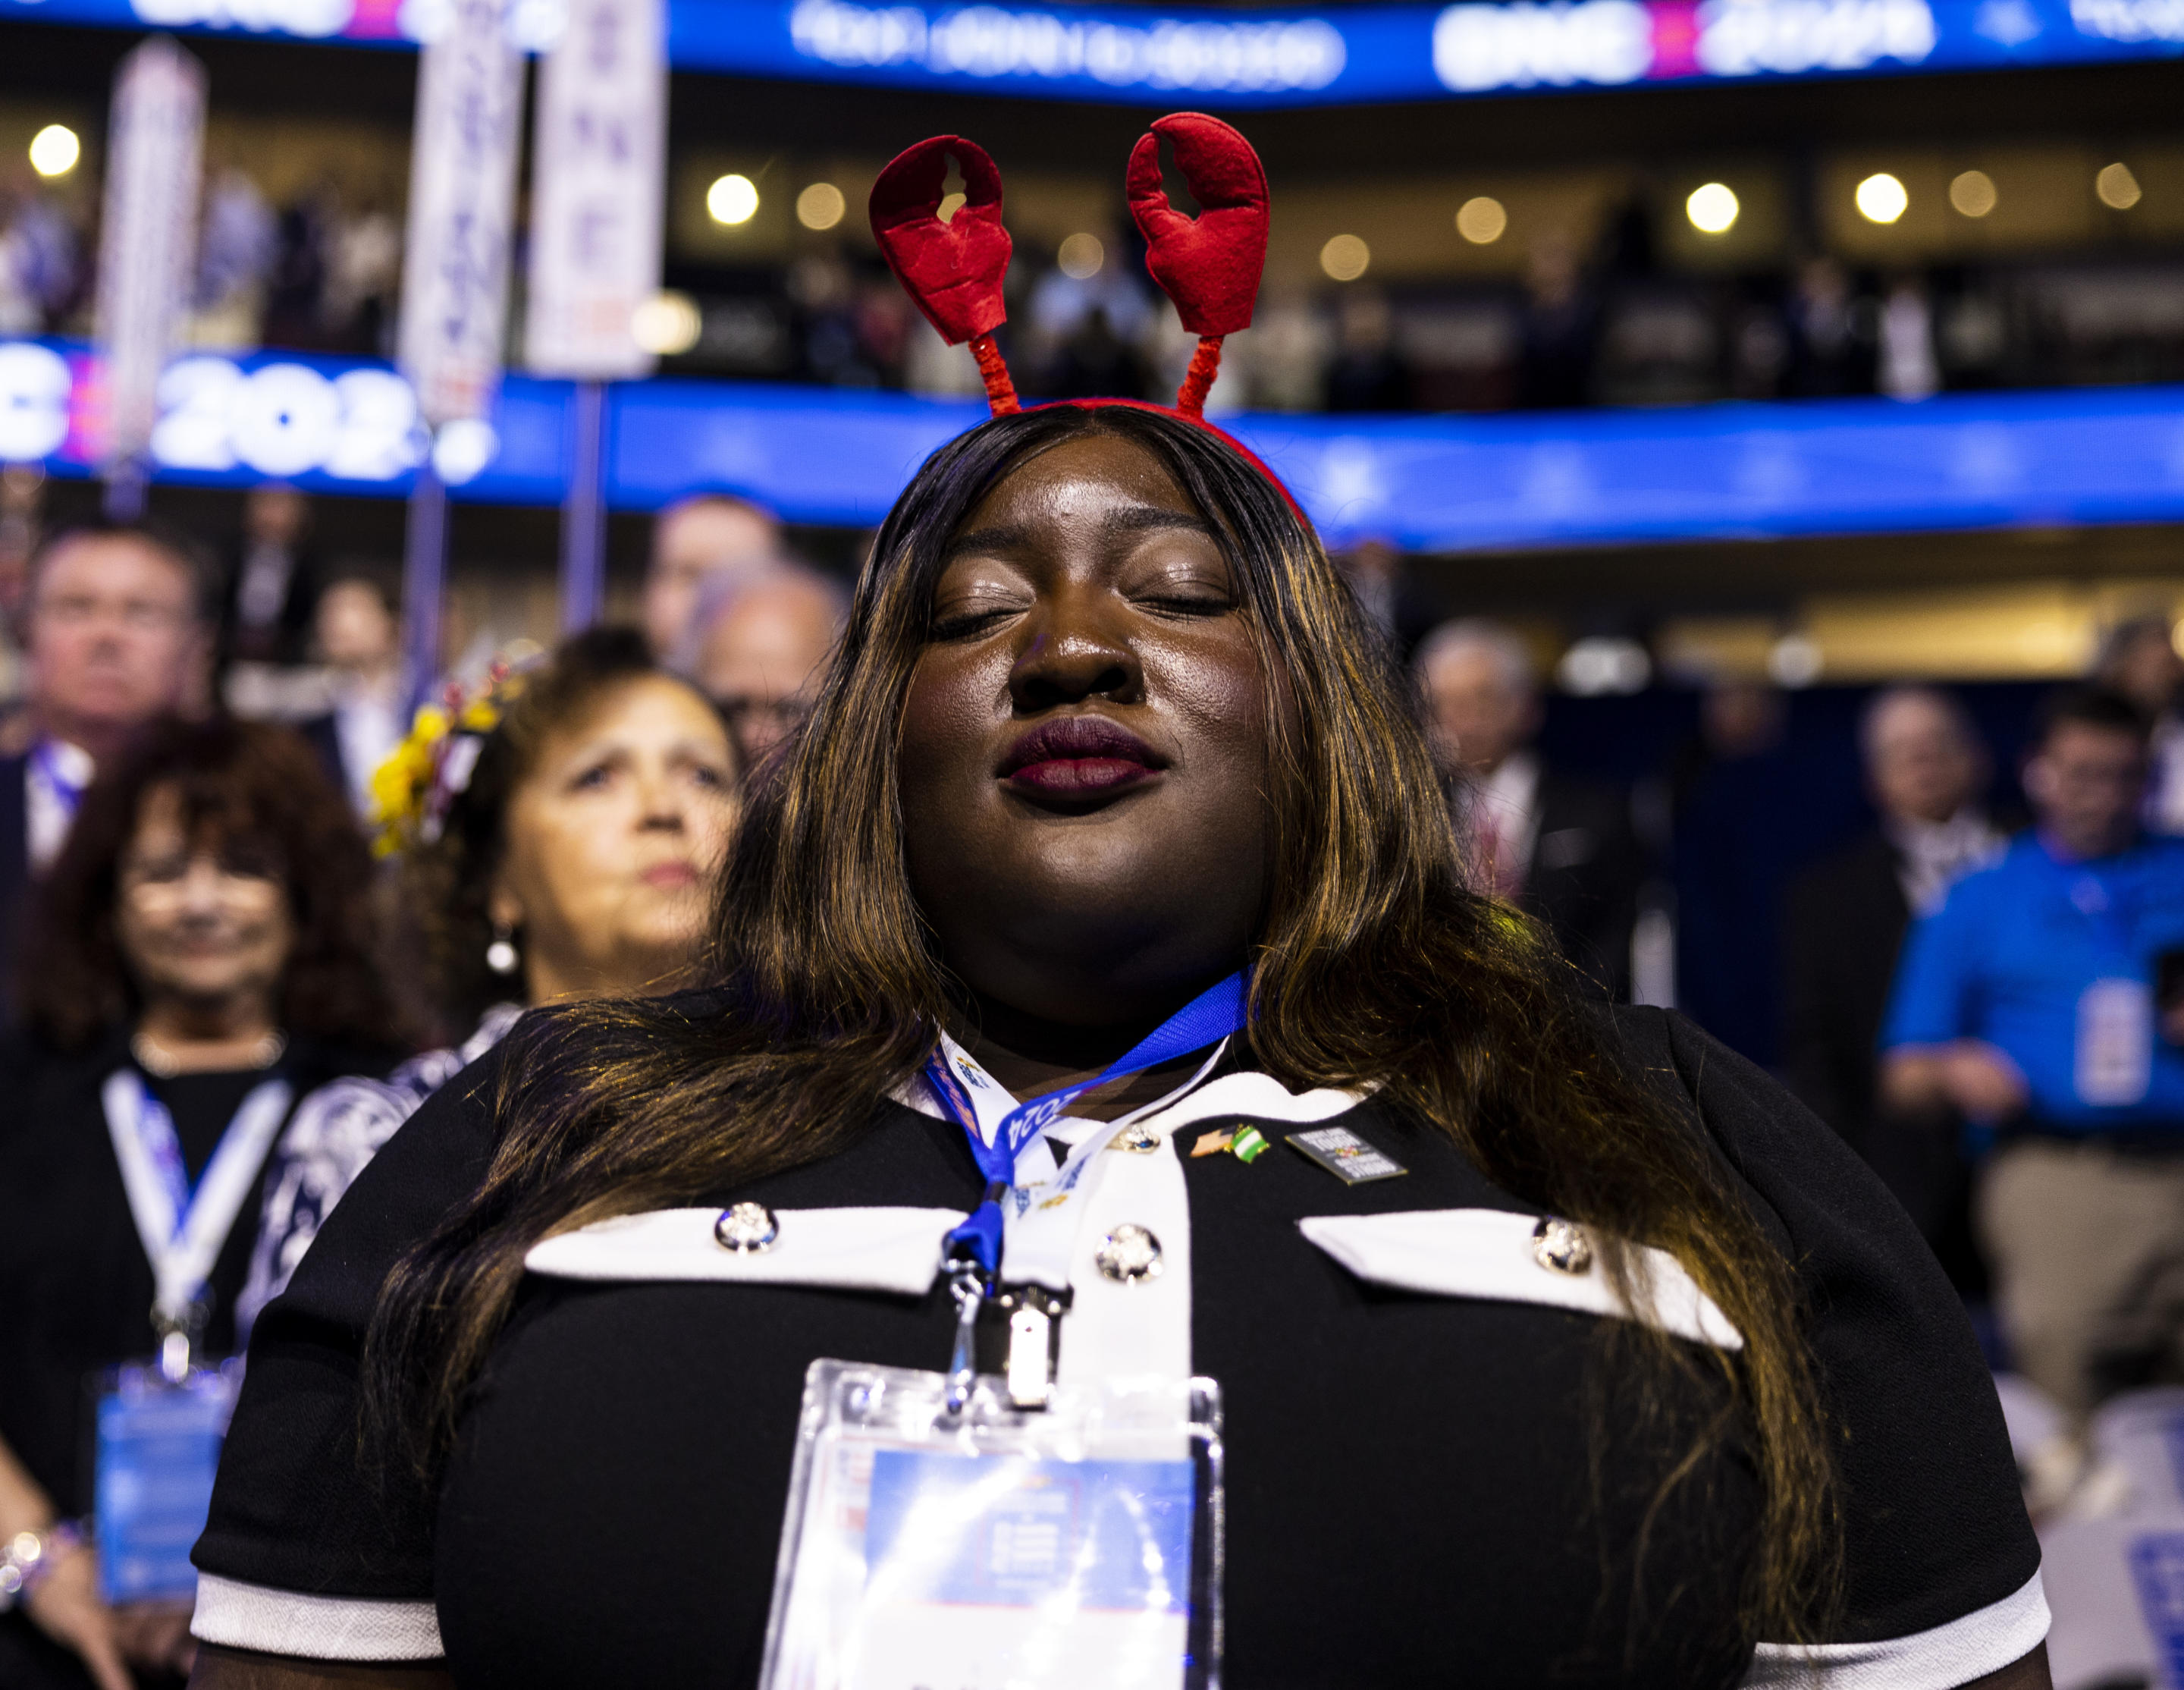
x=1207 y=1018
x=183 y=1229
x=69 y=793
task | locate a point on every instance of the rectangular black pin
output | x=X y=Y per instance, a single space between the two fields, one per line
x=1345 y=1155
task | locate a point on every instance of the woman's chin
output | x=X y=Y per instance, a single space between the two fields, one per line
x=203 y=990
x=670 y=937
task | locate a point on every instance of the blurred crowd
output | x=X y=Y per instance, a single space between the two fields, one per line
x=1610 y=327
x=213 y=926
x=320 y=273
x=1982 y=990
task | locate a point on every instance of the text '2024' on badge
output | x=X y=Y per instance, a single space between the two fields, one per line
x=1347 y=1156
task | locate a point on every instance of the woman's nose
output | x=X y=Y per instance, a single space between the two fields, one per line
x=662 y=801
x=1075 y=648
x=202 y=886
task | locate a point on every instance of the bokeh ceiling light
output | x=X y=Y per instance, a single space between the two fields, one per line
x=1081 y=257
x=1346 y=257
x=820 y=206
x=2118 y=187
x=1795 y=660
x=54 y=150
x=732 y=199
x=1482 y=221
x=1973 y=194
x=1882 y=199
x=950 y=203
x=1713 y=208
x=668 y=325
x=1600 y=665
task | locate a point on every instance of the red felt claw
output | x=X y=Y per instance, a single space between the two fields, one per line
x=1209 y=265
x=952 y=270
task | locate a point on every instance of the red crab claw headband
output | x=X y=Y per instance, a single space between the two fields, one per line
x=952 y=272
x=1208 y=264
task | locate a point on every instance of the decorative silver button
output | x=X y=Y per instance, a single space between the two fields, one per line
x=1130 y=1253
x=1135 y=1139
x=747 y=1228
x=1562 y=1246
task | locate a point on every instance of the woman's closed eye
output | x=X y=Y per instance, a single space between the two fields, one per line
x=155 y=871
x=1186 y=601
x=968 y=617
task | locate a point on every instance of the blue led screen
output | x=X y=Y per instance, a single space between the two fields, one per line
x=1220 y=58
x=1429 y=483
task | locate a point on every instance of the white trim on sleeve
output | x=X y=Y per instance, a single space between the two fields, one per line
x=1488 y=1253
x=1955 y=1654
x=858 y=1249
x=255 y=1616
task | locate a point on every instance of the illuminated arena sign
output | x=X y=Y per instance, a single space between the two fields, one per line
x=1428 y=484
x=1236 y=58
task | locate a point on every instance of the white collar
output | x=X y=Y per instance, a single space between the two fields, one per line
x=1513 y=786
x=1251 y=1093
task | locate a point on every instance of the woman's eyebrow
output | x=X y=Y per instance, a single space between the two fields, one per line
x=1144 y=518
x=1133 y=519
x=986 y=540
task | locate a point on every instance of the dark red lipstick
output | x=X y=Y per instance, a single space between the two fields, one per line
x=1079 y=757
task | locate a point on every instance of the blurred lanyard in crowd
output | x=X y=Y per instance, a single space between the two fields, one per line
x=183 y=1229
x=58 y=773
x=67 y=790
x=1040 y=1227
x=2112 y=1055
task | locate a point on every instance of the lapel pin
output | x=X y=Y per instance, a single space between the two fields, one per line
x=1246 y=1145
x=1345 y=1155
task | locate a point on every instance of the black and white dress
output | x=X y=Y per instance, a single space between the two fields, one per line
x=334 y=1132
x=1411 y=1402
x=76 y=1284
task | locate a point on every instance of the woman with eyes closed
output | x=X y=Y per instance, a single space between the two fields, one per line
x=580 y=812
x=1553 y=1344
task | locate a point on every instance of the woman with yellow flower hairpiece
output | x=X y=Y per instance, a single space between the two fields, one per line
x=559 y=832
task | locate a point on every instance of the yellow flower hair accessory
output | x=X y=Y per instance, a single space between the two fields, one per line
x=412 y=790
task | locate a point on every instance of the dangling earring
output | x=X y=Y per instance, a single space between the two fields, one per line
x=500 y=955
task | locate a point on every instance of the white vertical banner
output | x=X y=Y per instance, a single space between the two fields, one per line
x=147 y=242
x=599 y=159
x=462 y=202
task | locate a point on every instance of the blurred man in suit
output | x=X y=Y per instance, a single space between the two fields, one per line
x=1560 y=847
x=115 y=633
x=1926 y=771
x=270 y=589
x=761 y=643
x=698 y=543
x=2138 y=658
x=358 y=635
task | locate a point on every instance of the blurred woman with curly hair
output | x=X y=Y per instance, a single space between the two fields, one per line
x=200 y=957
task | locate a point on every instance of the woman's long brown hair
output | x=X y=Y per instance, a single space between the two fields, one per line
x=1377 y=966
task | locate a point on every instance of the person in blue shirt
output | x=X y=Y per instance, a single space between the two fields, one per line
x=2041 y=1002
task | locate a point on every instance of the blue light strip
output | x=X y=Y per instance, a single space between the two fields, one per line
x=1428 y=484
x=1205 y=57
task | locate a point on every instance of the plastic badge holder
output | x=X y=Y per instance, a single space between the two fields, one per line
x=159 y=1448
x=1074 y=1547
